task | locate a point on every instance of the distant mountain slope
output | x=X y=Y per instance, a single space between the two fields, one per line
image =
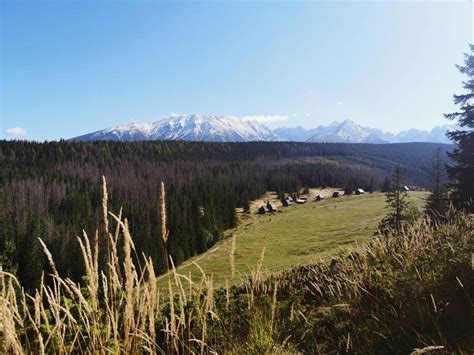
x=350 y=132
x=233 y=129
x=294 y=134
x=187 y=128
x=124 y=133
x=437 y=134
x=345 y=132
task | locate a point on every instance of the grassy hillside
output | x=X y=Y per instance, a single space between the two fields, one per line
x=406 y=292
x=301 y=234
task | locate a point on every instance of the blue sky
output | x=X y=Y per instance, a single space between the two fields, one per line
x=72 y=67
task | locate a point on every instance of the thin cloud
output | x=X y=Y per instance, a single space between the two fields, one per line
x=340 y=103
x=16 y=132
x=266 y=118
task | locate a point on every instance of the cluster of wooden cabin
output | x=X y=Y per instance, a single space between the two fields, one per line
x=290 y=201
x=287 y=202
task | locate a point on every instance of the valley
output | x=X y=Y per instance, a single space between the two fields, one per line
x=293 y=236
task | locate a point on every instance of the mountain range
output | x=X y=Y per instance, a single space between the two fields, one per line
x=233 y=129
x=351 y=132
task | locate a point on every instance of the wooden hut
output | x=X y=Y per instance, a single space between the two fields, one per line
x=263 y=210
x=271 y=208
x=359 y=192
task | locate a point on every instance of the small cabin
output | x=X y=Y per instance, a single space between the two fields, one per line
x=287 y=203
x=359 y=192
x=335 y=194
x=319 y=198
x=263 y=210
x=271 y=208
x=289 y=198
x=301 y=201
x=405 y=188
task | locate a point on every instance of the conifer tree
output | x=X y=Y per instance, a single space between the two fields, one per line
x=8 y=247
x=387 y=185
x=397 y=203
x=371 y=186
x=462 y=172
x=437 y=201
x=30 y=265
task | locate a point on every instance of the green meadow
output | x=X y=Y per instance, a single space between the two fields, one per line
x=297 y=235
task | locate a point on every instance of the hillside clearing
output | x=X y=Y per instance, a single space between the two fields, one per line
x=297 y=235
x=272 y=197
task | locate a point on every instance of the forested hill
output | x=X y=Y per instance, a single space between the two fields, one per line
x=52 y=190
x=416 y=156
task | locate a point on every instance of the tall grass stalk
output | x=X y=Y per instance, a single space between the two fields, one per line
x=164 y=230
x=400 y=292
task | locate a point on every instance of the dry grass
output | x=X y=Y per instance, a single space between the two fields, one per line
x=349 y=304
x=107 y=312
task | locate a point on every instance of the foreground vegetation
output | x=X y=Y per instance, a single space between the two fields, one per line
x=410 y=289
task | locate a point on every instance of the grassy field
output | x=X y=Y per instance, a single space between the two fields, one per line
x=296 y=235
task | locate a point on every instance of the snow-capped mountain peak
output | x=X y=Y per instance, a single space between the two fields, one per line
x=234 y=129
x=125 y=132
x=188 y=128
x=344 y=132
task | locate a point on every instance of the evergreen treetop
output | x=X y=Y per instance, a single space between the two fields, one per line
x=462 y=172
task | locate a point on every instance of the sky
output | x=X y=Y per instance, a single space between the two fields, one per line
x=74 y=67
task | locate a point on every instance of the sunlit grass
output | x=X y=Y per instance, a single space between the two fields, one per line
x=301 y=234
x=390 y=292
